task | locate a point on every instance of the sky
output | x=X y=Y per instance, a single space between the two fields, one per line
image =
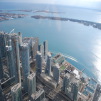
x=79 y=3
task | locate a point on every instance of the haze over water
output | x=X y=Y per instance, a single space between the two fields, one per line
x=80 y=43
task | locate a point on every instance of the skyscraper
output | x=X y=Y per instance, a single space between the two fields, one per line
x=20 y=38
x=75 y=91
x=70 y=87
x=1 y=93
x=99 y=98
x=28 y=41
x=97 y=93
x=25 y=64
x=65 y=83
x=16 y=56
x=56 y=72
x=31 y=84
x=1 y=68
x=10 y=59
x=45 y=49
x=35 y=43
x=12 y=54
x=16 y=92
x=2 y=51
x=2 y=44
x=41 y=49
x=38 y=63
x=48 y=64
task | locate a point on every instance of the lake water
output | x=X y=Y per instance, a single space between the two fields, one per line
x=82 y=44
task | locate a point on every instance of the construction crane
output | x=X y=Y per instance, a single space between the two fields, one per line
x=12 y=31
x=83 y=70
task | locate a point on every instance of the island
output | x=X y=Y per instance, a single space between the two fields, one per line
x=86 y=23
x=46 y=11
x=8 y=16
x=34 y=11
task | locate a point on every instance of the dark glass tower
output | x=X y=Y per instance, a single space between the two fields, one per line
x=45 y=49
x=1 y=68
x=10 y=59
x=16 y=56
x=38 y=63
x=25 y=64
x=16 y=92
x=31 y=84
x=48 y=64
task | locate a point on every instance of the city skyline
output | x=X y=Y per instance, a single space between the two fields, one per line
x=40 y=77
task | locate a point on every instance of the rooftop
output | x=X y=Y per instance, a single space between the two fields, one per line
x=57 y=56
x=49 y=54
x=37 y=94
x=15 y=87
x=31 y=76
x=57 y=65
x=38 y=53
x=73 y=77
x=48 y=79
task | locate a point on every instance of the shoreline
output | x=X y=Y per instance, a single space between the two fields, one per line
x=86 y=23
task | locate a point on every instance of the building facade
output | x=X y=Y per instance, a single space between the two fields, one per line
x=56 y=72
x=38 y=63
x=10 y=59
x=97 y=93
x=25 y=64
x=16 y=56
x=39 y=96
x=41 y=49
x=31 y=84
x=1 y=69
x=16 y=92
x=45 y=43
x=48 y=64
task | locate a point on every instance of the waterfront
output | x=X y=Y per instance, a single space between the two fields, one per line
x=79 y=42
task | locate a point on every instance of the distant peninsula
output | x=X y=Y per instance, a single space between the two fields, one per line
x=46 y=11
x=34 y=11
x=86 y=23
x=8 y=16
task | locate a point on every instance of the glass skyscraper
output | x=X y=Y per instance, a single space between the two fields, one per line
x=48 y=64
x=45 y=49
x=31 y=84
x=38 y=63
x=25 y=64
x=16 y=92
x=56 y=72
